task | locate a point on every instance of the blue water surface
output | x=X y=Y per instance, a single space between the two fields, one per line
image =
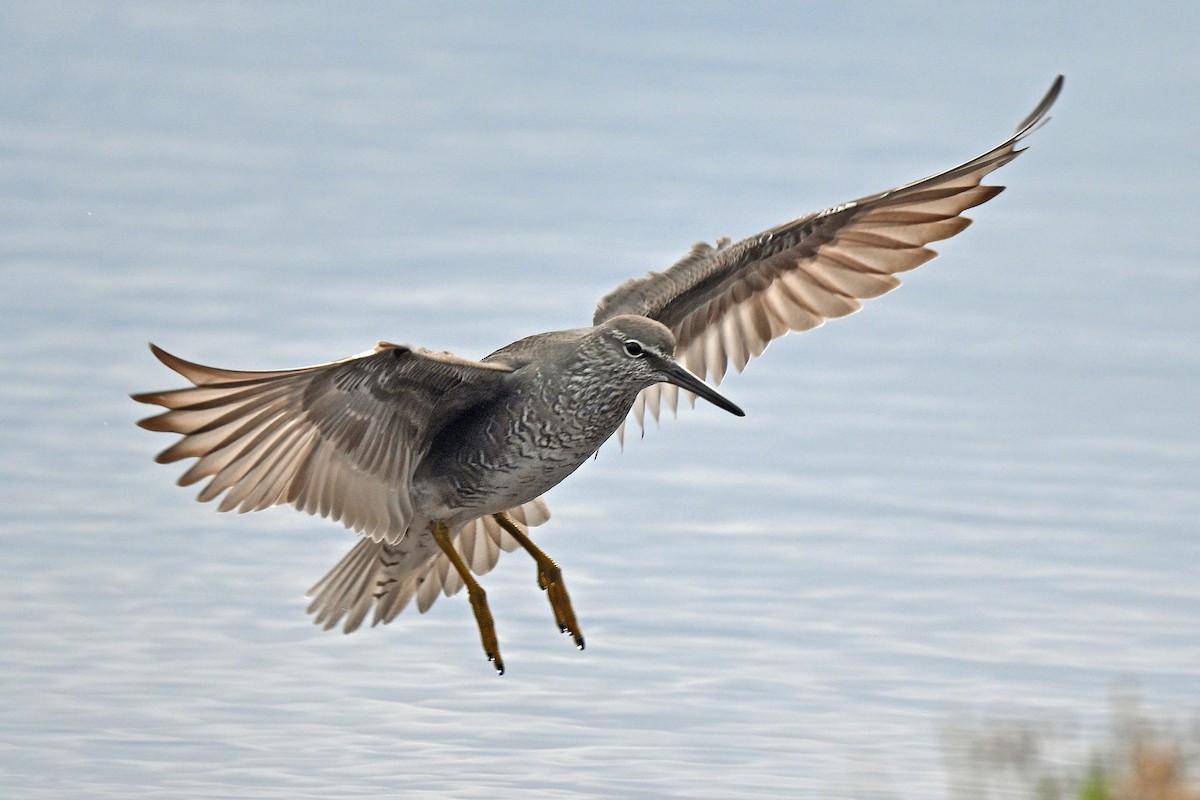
x=979 y=496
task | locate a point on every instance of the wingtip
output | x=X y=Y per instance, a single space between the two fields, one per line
x=161 y=354
x=1038 y=116
x=152 y=398
x=173 y=362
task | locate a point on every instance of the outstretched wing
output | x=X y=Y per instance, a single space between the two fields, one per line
x=384 y=578
x=725 y=304
x=341 y=440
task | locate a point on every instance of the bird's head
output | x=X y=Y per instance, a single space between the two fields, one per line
x=645 y=352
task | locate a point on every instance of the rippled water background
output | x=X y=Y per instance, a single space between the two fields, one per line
x=978 y=497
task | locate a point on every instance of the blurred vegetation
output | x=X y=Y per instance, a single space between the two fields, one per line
x=1142 y=759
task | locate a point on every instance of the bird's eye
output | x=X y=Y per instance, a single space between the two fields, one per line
x=634 y=349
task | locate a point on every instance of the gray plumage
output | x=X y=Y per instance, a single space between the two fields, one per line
x=392 y=441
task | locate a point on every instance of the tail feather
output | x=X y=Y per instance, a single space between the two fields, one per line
x=386 y=577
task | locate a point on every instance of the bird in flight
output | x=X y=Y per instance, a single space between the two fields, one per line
x=440 y=462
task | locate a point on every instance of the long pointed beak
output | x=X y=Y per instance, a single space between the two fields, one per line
x=679 y=375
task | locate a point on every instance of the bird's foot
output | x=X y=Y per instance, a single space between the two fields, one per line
x=487 y=627
x=549 y=578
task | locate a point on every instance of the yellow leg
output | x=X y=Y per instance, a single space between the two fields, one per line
x=475 y=593
x=549 y=578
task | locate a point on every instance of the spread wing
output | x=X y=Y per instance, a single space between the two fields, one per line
x=341 y=440
x=725 y=304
